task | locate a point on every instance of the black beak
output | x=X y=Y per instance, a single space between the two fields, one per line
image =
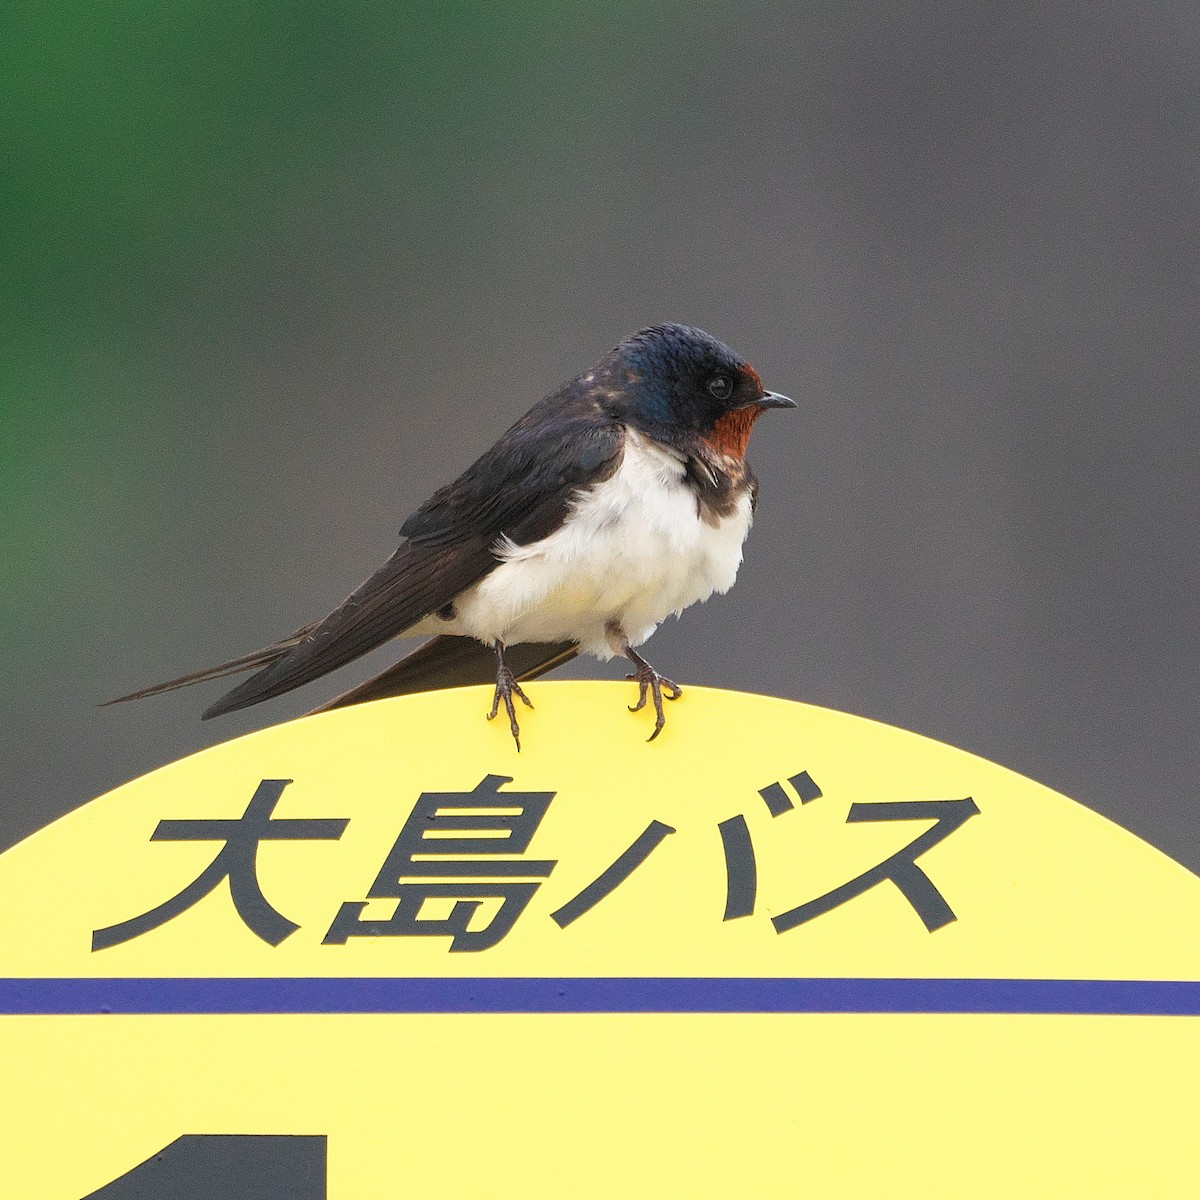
x=775 y=400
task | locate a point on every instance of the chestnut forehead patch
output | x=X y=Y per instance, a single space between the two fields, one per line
x=753 y=376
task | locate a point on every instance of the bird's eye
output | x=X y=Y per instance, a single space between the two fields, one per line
x=721 y=386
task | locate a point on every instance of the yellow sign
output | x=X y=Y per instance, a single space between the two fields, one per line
x=779 y=949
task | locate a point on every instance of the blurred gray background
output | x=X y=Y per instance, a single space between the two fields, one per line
x=273 y=274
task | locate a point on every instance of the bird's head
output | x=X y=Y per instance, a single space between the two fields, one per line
x=679 y=384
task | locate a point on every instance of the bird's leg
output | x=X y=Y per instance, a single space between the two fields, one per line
x=506 y=687
x=649 y=681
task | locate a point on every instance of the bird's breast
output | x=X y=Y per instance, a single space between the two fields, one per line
x=633 y=549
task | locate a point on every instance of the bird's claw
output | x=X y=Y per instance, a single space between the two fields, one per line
x=650 y=684
x=507 y=687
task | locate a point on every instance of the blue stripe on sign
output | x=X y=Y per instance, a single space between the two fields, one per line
x=65 y=997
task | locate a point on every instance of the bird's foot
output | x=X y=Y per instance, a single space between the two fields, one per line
x=651 y=684
x=507 y=687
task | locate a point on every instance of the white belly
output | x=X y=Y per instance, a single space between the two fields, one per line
x=633 y=551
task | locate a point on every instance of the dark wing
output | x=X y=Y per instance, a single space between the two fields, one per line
x=522 y=486
x=449 y=661
x=414 y=582
x=521 y=489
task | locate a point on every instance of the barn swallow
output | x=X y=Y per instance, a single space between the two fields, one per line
x=619 y=499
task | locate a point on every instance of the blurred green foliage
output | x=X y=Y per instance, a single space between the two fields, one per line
x=158 y=158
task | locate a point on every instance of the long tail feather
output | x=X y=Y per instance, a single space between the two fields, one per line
x=414 y=582
x=448 y=661
x=235 y=666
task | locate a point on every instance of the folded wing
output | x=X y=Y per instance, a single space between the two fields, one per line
x=521 y=489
